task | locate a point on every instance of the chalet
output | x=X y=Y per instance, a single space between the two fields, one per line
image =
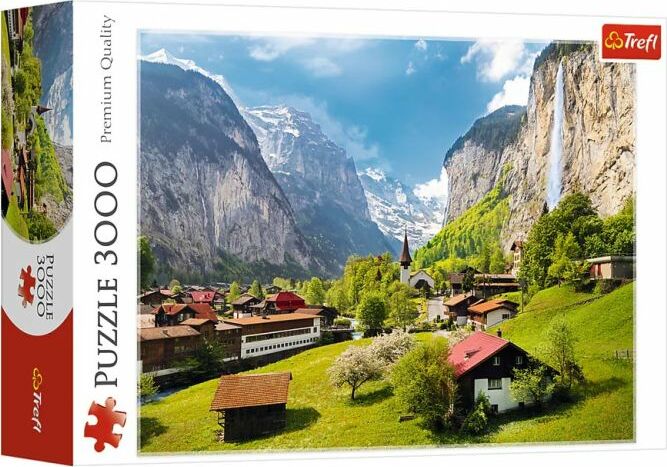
x=485 y=363
x=173 y=314
x=484 y=314
x=203 y=326
x=487 y=285
x=271 y=334
x=327 y=314
x=457 y=307
x=282 y=302
x=242 y=305
x=229 y=335
x=164 y=347
x=272 y=289
x=612 y=267
x=249 y=406
x=456 y=279
x=16 y=21
x=517 y=256
x=157 y=297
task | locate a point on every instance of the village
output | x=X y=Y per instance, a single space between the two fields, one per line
x=255 y=329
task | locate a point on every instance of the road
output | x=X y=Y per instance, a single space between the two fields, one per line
x=435 y=308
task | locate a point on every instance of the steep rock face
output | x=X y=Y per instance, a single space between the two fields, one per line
x=598 y=148
x=321 y=183
x=395 y=207
x=53 y=46
x=205 y=189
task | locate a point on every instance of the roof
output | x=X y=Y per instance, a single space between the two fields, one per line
x=473 y=350
x=7 y=172
x=243 y=299
x=226 y=327
x=201 y=310
x=612 y=259
x=202 y=296
x=457 y=299
x=167 y=332
x=195 y=321
x=235 y=391
x=497 y=284
x=267 y=319
x=494 y=276
x=310 y=311
x=405 y=254
x=491 y=305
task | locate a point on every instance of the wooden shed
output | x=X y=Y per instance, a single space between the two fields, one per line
x=250 y=406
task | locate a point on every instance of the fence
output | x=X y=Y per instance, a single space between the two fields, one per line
x=625 y=354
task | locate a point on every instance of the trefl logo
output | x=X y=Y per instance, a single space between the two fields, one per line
x=38 y=285
x=631 y=42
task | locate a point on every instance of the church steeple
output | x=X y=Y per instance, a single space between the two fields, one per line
x=405 y=258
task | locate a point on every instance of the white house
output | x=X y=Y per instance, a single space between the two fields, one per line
x=485 y=314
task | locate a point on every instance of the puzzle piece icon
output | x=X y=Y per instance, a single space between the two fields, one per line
x=28 y=284
x=102 y=431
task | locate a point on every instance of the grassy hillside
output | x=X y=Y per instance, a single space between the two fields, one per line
x=320 y=417
x=604 y=407
x=466 y=236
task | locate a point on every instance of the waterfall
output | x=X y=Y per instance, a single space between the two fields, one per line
x=555 y=180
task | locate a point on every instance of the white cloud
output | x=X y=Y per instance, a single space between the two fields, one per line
x=410 y=69
x=437 y=188
x=497 y=59
x=514 y=92
x=322 y=67
x=267 y=50
x=421 y=44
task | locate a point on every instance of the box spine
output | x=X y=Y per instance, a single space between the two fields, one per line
x=36 y=320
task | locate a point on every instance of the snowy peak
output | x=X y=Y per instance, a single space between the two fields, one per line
x=395 y=207
x=165 y=57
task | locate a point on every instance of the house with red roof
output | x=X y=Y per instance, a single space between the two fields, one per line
x=283 y=302
x=484 y=363
x=172 y=314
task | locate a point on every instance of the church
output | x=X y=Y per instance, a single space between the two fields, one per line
x=419 y=279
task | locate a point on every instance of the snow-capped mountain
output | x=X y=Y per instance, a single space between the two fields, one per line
x=395 y=207
x=165 y=57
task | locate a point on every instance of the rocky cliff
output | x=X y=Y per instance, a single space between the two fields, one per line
x=320 y=182
x=598 y=140
x=53 y=46
x=206 y=193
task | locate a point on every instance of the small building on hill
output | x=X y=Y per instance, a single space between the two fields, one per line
x=173 y=314
x=484 y=314
x=242 y=306
x=422 y=280
x=457 y=307
x=487 y=285
x=612 y=267
x=161 y=348
x=456 y=279
x=517 y=256
x=249 y=406
x=485 y=363
x=327 y=314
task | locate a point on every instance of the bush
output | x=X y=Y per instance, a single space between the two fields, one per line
x=343 y=322
x=147 y=388
x=477 y=421
x=326 y=338
x=604 y=286
x=389 y=348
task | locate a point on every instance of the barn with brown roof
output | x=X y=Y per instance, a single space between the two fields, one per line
x=249 y=406
x=173 y=314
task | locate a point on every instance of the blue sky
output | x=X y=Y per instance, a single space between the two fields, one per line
x=394 y=104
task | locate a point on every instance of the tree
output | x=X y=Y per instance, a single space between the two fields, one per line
x=146 y=387
x=497 y=261
x=372 y=311
x=256 y=289
x=146 y=262
x=207 y=360
x=468 y=282
x=559 y=349
x=354 y=367
x=337 y=298
x=234 y=291
x=425 y=383
x=402 y=310
x=531 y=384
x=389 y=348
x=175 y=286
x=566 y=253
x=477 y=420
x=315 y=293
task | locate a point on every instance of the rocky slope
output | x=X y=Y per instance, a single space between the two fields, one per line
x=321 y=183
x=206 y=193
x=53 y=46
x=598 y=143
x=395 y=207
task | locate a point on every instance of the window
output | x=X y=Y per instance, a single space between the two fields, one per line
x=315 y=329
x=496 y=361
x=519 y=360
x=495 y=383
x=506 y=316
x=494 y=408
